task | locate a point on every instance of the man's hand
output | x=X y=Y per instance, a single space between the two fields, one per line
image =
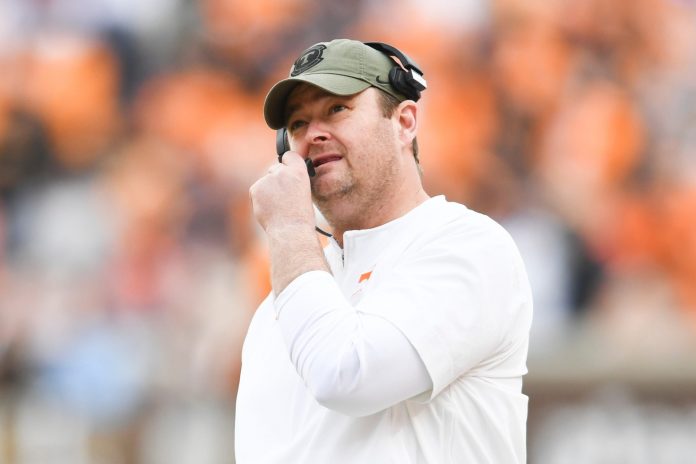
x=282 y=202
x=283 y=196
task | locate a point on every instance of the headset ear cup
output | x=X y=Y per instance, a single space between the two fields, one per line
x=406 y=77
x=282 y=144
x=395 y=79
x=398 y=80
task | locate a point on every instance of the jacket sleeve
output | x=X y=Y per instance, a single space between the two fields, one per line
x=353 y=362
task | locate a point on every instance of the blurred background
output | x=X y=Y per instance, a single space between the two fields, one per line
x=130 y=265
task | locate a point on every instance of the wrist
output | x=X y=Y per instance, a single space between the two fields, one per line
x=294 y=249
x=290 y=230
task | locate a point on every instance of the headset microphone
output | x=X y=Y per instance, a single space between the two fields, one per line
x=310 y=168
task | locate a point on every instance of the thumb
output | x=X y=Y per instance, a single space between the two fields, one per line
x=295 y=159
x=292 y=158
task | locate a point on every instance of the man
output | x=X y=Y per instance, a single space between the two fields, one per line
x=405 y=340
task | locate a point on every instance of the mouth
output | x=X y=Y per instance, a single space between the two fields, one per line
x=323 y=159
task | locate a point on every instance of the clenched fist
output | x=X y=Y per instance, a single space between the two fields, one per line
x=283 y=196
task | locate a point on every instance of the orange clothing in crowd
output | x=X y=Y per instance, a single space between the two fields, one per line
x=72 y=84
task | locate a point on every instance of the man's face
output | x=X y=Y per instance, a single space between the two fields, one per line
x=353 y=146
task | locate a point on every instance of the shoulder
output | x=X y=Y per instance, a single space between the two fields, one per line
x=460 y=228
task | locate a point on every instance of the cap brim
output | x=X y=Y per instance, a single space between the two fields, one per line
x=274 y=106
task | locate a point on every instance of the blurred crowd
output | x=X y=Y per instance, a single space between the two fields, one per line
x=130 y=132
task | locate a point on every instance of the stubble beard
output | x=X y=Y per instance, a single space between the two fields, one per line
x=351 y=203
x=341 y=193
x=344 y=189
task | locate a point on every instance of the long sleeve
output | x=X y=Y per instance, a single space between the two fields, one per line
x=352 y=362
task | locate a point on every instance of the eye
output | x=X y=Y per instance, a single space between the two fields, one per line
x=336 y=108
x=294 y=125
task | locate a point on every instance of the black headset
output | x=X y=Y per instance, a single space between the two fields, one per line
x=405 y=76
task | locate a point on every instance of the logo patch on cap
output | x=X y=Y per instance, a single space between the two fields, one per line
x=308 y=59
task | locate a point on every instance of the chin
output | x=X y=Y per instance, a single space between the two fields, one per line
x=325 y=192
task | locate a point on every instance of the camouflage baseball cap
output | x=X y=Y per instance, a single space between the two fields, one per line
x=341 y=67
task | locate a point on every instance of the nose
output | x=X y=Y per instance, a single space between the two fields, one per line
x=317 y=132
x=314 y=133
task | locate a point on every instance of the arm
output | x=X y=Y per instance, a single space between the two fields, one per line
x=455 y=304
x=294 y=250
x=282 y=205
x=354 y=363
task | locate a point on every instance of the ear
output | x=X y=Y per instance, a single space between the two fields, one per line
x=407 y=118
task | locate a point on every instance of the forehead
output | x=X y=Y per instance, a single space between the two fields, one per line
x=301 y=95
x=305 y=93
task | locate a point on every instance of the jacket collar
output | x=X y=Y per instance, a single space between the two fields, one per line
x=358 y=244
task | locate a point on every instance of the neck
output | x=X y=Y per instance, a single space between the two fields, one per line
x=346 y=214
